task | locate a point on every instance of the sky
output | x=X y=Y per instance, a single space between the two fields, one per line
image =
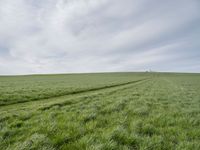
x=72 y=36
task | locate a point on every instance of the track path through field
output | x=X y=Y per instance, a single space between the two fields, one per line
x=43 y=104
x=156 y=113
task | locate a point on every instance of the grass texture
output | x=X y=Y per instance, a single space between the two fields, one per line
x=108 y=111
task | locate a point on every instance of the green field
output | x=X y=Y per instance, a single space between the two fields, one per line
x=101 y=111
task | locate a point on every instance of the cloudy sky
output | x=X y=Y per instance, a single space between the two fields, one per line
x=64 y=36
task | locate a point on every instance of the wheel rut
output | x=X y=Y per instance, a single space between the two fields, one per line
x=77 y=92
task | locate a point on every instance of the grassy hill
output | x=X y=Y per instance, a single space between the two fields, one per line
x=100 y=111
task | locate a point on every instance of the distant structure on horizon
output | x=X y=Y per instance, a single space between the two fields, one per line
x=150 y=70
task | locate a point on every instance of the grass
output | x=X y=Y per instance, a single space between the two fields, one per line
x=106 y=111
x=19 y=89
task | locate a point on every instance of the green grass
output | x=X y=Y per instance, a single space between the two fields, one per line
x=17 y=89
x=100 y=111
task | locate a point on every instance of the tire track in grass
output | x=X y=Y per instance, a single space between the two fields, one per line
x=77 y=92
x=87 y=99
x=33 y=107
x=44 y=102
x=71 y=103
x=105 y=93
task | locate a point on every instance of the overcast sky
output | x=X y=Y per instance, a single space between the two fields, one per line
x=64 y=36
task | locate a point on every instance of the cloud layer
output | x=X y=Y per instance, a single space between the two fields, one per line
x=61 y=36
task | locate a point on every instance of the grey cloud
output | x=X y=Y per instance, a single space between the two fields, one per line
x=98 y=35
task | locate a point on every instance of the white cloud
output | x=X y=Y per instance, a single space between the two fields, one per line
x=94 y=35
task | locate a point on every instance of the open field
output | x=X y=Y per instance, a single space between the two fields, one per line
x=100 y=111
